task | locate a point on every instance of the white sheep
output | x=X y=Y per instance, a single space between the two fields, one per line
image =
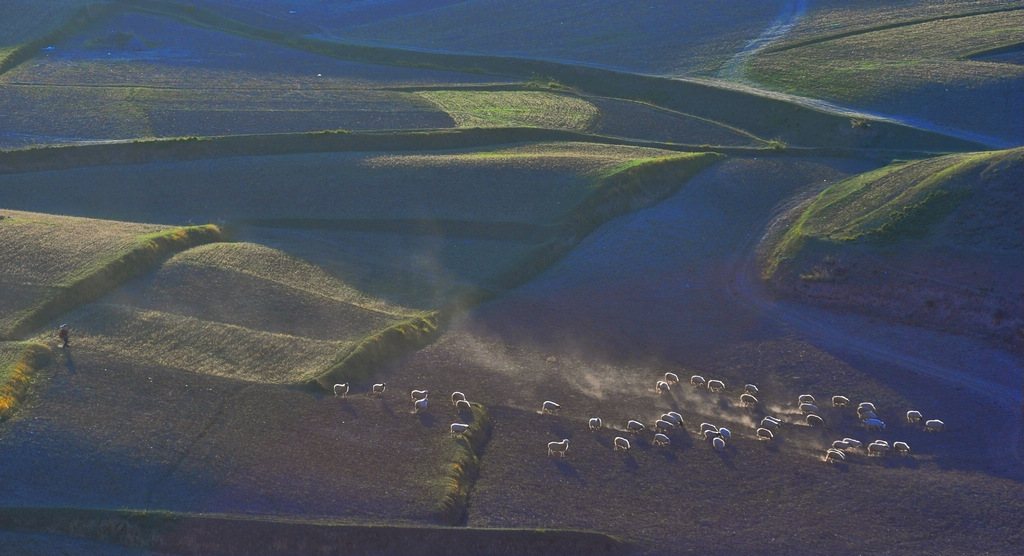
x=418 y=394
x=833 y=455
x=664 y=426
x=867 y=415
x=725 y=433
x=558 y=447
x=901 y=448
x=867 y=406
x=750 y=389
x=840 y=401
x=718 y=443
x=767 y=423
x=748 y=400
x=710 y=434
x=595 y=423
x=840 y=444
x=764 y=434
x=814 y=420
x=874 y=424
x=914 y=416
x=456 y=396
x=881 y=443
x=808 y=408
x=677 y=421
x=697 y=381
x=459 y=428
x=662 y=387
x=550 y=407
x=341 y=390
x=661 y=440
x=463 y=405
x=878 y=449
x=716 y=385
x=708 y=427
x=671 y=378
x=805 y=398
x=634 y=426
x=378 y=389
x=934 y=425
x=620 y=443
x=853 y=442
x=419 y=405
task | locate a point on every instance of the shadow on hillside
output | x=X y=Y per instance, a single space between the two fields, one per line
x=69 y=362
x=427 y=419
x=566 y=468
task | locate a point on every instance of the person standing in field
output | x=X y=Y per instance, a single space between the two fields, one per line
x=63 y=334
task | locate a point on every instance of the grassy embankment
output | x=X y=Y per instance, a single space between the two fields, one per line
x=933 y=242
x=68 y=272
x=763 y=116
x=193 y=534
x=25 y=28
x=18 y=361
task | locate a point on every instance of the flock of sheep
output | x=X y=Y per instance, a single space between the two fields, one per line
x=766 y=430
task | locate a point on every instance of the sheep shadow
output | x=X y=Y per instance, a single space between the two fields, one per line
x=346 y=406
x=567 y=469
x=668 y=454
x=727 y=457
x=629 y=461
x=385 y=407
x=426 y=419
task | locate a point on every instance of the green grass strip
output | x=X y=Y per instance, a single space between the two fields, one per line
x=93 y=283
x=81 y=19
x=16 y=376
x=167 y=532
x=464 y=468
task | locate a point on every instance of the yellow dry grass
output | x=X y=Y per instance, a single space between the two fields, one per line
x=18 y=361
x=515 y=109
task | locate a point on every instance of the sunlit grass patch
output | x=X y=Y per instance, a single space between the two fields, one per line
x=18 y=361
x=516 y=109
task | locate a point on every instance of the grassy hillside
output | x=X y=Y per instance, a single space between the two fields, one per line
x=515 y=109
x=935 y=242
x=19 y=361
x=918 y=70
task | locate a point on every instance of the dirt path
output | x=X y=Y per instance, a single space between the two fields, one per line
x=735 y=68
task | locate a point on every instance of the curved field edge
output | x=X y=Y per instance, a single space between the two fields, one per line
x=759 y=114
x=78 y=20
x=93 y=283
x=464 y=468
x=193 y=534
x=16 y=373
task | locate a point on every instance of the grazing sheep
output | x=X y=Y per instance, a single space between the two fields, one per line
x=661 y=440
x=874 y=424
x=868 y=415
x=459 y=428
x=808 y=408
x=805 y=398
x=877 y=449
x=853 y=442
x=881 y=443
x=551 y=407
x=901 y=448
x=748 y=400
x=914 y=416
x=419 y=404
x=677 y=421
x=814 y=420
x=709 y=434
x=634 y=426
x=866 y=405
x=934 y=425
x=378 y=389
x=840 y=401
x=773 y=419
x=769 y=424
x=725 y=433
x=456 y=396
x=840 y=445
x=463 y=405
x=418 y=394
x=833 y=455
x=559 y=447
x=708 y=427
x=718 y=443
x=620 y=443
x=664 y=426
x=671 y=378
x=341 y=390
x=662 y=387
x=750 y=389
x=765 y=434
x=716 y=385
x=697 y=381
x=595 y=423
